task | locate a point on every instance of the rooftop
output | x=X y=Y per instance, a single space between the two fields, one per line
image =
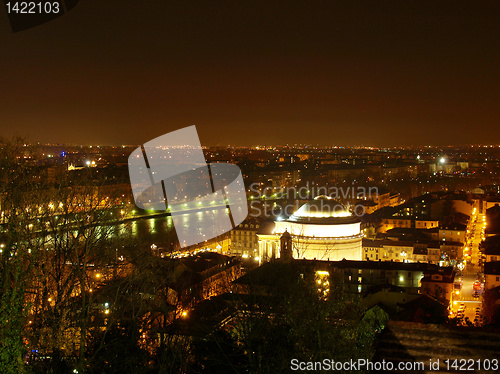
x=387 y=242
x=406 y=341
x=323 y=210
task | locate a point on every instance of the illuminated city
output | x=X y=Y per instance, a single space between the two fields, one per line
x=361 y=225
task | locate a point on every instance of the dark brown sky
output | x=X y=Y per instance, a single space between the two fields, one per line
x=257 y=72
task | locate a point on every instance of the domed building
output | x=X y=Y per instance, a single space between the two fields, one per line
x=322 y=229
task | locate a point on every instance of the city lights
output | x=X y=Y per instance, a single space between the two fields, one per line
x=361 y=225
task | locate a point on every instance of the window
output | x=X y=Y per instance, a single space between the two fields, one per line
x=498 y=279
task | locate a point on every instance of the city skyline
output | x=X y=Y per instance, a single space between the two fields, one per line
x=255 y=187
x=330 y=73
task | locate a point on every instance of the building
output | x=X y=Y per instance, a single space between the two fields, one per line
x=439 y=285
x=357 y=276
x=387 y=250
x=199 y=277
x=394 y=199
x=280 y=178
x=368 y=206
x=426 y=223
x=411 y=251
x=415 y=235
x=362 y=276
x=452 y=251
x=420 y=253
x=321 y=229
x=492 y=202
x=395 y=222
x=220 y=244
x=382 y=198
x=453 y=233
x=434 y=253
x=491 y=248
x=379 y=201
x=244 y=240
x=491 y=275
x=493 y=221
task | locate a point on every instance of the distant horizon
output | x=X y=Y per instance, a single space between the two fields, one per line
x=299 y=146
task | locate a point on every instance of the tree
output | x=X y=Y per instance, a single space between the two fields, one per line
x=18 y=236
x=295 y=318
x=491 y=306
x=55 y=241
x=116 y=350
x=77 y=257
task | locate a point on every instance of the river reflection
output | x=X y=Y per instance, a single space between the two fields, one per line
x=158 y=230
x=161 y=231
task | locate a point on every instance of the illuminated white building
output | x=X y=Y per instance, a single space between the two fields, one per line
x=321 y=229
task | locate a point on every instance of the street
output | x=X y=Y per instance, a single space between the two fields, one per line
x=464 y=303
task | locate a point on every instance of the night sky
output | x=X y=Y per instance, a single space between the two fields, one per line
x=257 y=72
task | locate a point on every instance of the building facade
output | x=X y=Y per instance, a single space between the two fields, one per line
x=321 y=229
x=244 y=240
